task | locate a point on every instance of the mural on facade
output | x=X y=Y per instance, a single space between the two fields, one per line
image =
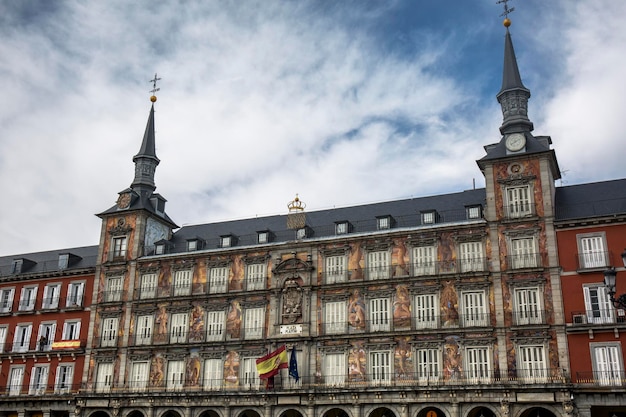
x=357 y=362
x=157 y=370
x=236 y=274
x=447 y=252
x=192 y=369
x=400 y=258
x=402 y=307
x=356 y=310
x=452 y=361
x=449 y=305
x=165 y=280
x=198 y=282
x=160 y=332
x=231 y=369
x=355 y=262
x=196 y=324
x=233 y=320
x=403 y=359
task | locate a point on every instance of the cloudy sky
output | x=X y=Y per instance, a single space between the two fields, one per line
x=342 y=101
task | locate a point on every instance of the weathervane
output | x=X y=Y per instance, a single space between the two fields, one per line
x=154 y=87
x=507 y=11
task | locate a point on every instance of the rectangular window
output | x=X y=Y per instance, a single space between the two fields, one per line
x=178 y=328
x=6 y=299
x=45 y=338
x=379 y=315
x=28 y=298
x=213 y=371
x=225 y=241
x=21 y=339
x=182 y=282
x=148 y=286
x=608 y=368
x=335 y=317
x=255 y=277
x=109 y=332
x=71 y=330
x=215 y=326
x=75 y=294
x=254 y=322
x=51 y=295
x=592 y=251
x=523 y=253
x=262 y=237
x=175 y=374
x=471 y=256
x=119 y=247
x=64 y=260
x=428 y=364
x=424 y=260
x=218 y=279
x=383 y=223
x=474 y=212
x=378 y=265
x=16 y=266
x=429 y=217
x=144 y=329
x=63 y=380
x=598 y=304
x=16 y=379
x=528 y=306
x=113 y=291
x=249 y=377
x=38 y=380
x=380 y=367
x=104 y=377
x=532 y=363
x=477 y=364
x=474 y=309
x=139 y=375
x=426 y=311
x=335 y=369
x=518 y=202
x=341 y=228
x=335 y=269
x=192 y=245
x=3 y=337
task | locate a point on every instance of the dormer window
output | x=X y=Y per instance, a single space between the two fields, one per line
x=474 y=212
x=341 y=228
x=383 y=222
x=159 y=249
x=16 y=266
x=226 y=241
x=429 y=217
x=302 y=233
x=263 y=236
x=192 y=245
x=64 y=260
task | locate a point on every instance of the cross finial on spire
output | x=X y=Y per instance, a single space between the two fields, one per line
x=506 y=8
x=154 y=87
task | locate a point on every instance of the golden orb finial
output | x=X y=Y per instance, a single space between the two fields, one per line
x=507 y=22
x=153 y=98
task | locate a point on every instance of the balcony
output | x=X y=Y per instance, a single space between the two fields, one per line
x=58 y=346
x=529 y=317
x=528 y=260
x=49 y=389
x=593 y=261
x=519 y=211
x=616 y=378
x=598 y=317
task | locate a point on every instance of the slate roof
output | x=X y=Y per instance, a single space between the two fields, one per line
x=596 y=199
x=81 y=258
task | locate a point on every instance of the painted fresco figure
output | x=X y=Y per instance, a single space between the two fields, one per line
x=233 y=320
x=356 y=310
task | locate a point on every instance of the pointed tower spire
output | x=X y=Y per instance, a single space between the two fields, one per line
x=513 y=96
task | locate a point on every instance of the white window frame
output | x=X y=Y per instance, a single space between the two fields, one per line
x=262 y=237
x=528 y=305
x=335 y=269
x=38 y=379
x=607 y=363
x=4 y=330
x=226 y=241
x=531 y=364
x=477 y=364
x=598 y=306
x=519 y=201
x=341 y=228
x=182 y=282
x=119 y=246
x=176 y=374
x=63 y=380
x=379 y=313
x=428 y=362
x=378 y=265
x=64 y=260
x=335 y=317
x=109 y=331
x=218 y=279
x=213 y=374
x=114 y=288
x=145 y=326
x=383 y=223
x=380 y=367
x=6 y=299
x=179 y=327
x=424 y=260
x=473 y=212
x=192 y=245
x=21 y=338
x=426 y=311
x=335 y=369
x=429 y=217
x=75 y=292
x=16 y=380
x=47 y=331
x=471 y=256
x=523 y=252
x=592 y=250
x=148 y=286
x=71 y=329
x=51 y=296
x=255 y=276
x=215 y=325
x=28 y=298
x=249 y=376
x=254 y=322
x=104 y=377
x=139 y=375
x=474 y=308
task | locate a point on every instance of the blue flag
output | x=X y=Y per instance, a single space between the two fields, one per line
x=293 y=365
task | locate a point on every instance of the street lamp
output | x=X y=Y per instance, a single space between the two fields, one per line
x=609 y=282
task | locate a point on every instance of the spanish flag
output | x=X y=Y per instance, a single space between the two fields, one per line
x=268 y=365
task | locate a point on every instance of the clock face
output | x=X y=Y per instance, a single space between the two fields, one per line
x=124 y=200
x=515 y=142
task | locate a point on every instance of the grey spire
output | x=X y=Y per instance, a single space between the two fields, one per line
x=146 y=161
x=513 y=96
